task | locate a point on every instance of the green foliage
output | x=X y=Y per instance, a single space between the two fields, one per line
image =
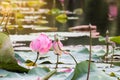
x=39 y=71
x=112 y=74
x=78 y=11
x=43 y=73
x=54 y=11
x=7 y=56
x=115 y=39
x=99 y=54
x=82 y=69
x=35 y=3
x=62 y=18
x=6 y=49
x=79 y=73
x=101 y=39
x=84 y=50
x=19 y=15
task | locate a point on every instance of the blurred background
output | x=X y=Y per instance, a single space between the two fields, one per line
x=23 y=17
x=59 y=15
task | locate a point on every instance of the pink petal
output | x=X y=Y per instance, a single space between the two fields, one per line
x=42 y=44
x=67 y=70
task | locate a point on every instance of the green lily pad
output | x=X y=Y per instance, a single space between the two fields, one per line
x=78 y=11
x=6 y=49
x=54 y=11
x=99 y=53
x=7 y=56
x=39 y=71
x=35 y=3
x=62 y=18
x=102 y=39
x=115 y=39
x=19 y=15
x=83 y=50
x=81 y=70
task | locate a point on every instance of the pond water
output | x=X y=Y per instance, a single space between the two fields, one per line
x=75 y=42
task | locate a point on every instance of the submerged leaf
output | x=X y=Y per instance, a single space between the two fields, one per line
x=83 y=50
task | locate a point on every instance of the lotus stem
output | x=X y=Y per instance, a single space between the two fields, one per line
x=63 y=6
x=5 y=29
x=107 y=45
x=53 y=16
x=49 y=75
x=54 y=3
x=2 y=19
x=113 y=51
x=90 y=53
x=112 y=58
x=57 y=61
x=107 y=51
x=73 y=58
x=36 y=59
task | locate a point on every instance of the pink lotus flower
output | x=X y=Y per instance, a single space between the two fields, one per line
x=38 y=78
x=57 y=47
x=113 y=10
x=41 y=44
x=62 y=1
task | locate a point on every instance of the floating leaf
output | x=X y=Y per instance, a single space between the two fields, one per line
x=46 y=62
x=54 y=11
x=46 y=77
x=5 y=4
x=102 y=39
x=39 y=71
x=20 y=27
x=112 y=74
x=83 y=50
x=19 y=15
x=11 y=27
x=62 y=18
x=30 y=63
x=7 y=56
x=78 y=11
x=18 y=57
x=81 y=70
x=37 y=3
x=115 y=39
x=99 y=53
